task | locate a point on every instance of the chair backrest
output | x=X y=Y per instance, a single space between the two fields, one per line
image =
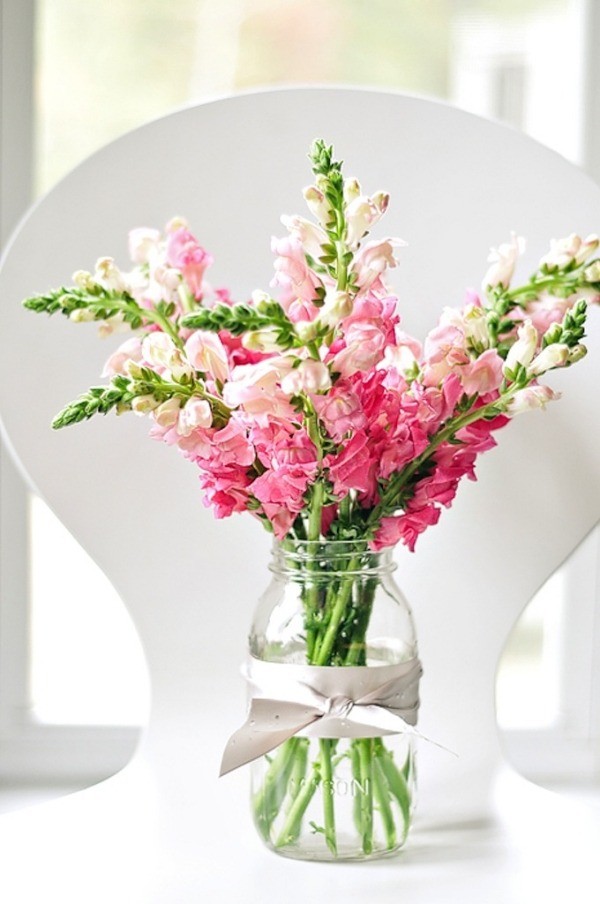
x=459 y=184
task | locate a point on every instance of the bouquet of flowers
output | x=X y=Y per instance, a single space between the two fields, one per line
x=312 y=409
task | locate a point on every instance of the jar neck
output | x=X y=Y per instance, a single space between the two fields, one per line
x=329 y=558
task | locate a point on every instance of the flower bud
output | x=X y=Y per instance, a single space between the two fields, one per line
x=176 y=223
x=306 y=330
x=592 y=273
x=144 y=404
x=260 y=300
x=317 y=204
x=83 y=280
x=167 y=414
x=81 y=315
x=351 y=189
x=262 y=340
x=550 y=357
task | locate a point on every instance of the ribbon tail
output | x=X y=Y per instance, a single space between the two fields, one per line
x=269 y=724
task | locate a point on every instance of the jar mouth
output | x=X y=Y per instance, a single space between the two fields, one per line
x=330 y=556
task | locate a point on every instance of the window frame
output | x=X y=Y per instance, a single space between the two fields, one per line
x=30 y=751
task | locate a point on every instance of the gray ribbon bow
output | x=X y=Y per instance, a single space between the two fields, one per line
x=323 y=701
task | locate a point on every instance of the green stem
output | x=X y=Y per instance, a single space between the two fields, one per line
x=323 y=649
x=268 y=800
x=365 y=752
x=396 y=781
x=293 y=821
x=382 y=796
x=325 y=745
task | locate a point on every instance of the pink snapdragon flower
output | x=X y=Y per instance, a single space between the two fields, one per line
x=373 y=259
x=367 y=331
x=340 y=411
x=484 y=374
x=225 y=490
x=404 y=528
x=256 y=388
x=296 y=281
x=128 y=351
x=184 y=252
x=354 y=468
x=206 y=353
x=444 y=353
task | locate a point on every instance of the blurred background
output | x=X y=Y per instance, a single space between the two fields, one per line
x=73 y=690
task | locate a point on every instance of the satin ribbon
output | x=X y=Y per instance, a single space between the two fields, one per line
x=325 y=702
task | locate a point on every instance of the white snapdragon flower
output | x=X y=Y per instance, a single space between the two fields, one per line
x=523 y=350
x=159 y=350
x=471 y=321
x=361 y=215
x=143 y=244
x=108 y=275
x=195 y=413
x=317 y=204
x=309 y=376
x=571 y=249
x=310 y=236
x=336 y=306
x=503 y=260
x=555 y=355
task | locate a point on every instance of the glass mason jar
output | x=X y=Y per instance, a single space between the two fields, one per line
x=334 y=603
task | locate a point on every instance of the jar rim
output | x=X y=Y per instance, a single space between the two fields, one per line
x=351 y=556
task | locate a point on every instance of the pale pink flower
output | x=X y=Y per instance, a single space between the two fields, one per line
x=310 y=236
x=444 y=353
x=207 y=354
x=131 y=350
x=195 y=413
x=503 y=261
x=374 y=259
x=530 y=398
x=294 y=277
x=185 y=253
x=227 y=447
x=257 y=389
x=364 y=348
x=167 y=414
x=361 y=215
x=340 y=411
x=547 y=309
x=484 y=374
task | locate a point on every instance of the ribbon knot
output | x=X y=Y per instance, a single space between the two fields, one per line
x=339 y=707
x=323 y=702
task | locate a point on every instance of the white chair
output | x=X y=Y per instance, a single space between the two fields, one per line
x=166 y=829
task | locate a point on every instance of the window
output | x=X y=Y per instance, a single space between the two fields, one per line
x=96 y=70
